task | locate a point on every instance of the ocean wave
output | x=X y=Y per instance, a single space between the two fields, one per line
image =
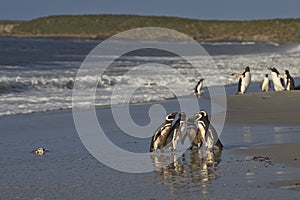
x=294 y=49
x=18 y=84
x=229 y=43
x=26 y=90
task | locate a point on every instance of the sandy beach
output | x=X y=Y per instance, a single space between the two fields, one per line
x=264 y=108
x=267 y=126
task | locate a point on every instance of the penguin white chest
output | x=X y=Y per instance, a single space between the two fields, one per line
x=265 y=84
x=199 y=87
x=201 y=127
x=277 y=82
x=245 y=82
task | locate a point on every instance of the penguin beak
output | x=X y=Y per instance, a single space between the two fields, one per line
x=269 y=68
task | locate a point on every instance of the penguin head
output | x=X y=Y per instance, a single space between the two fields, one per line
x=273 y=69
x=287 y=72
x=201 y=116
x=182 y=116
x=267 y=75
x=247 y=69
x=200 y=81
x=202 y=112
x=198 y=116
x=192 y=119
x=171 y=116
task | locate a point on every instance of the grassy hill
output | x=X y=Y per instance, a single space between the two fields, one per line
x=103 y=26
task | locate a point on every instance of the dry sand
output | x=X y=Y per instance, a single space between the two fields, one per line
x=265 y=108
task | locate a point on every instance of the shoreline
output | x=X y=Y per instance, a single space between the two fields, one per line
x=236 y=104
x=101 y=38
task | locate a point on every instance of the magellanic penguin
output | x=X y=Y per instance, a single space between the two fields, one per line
x=159 y=137
x=195 y=137
x=277 y=79
x=244 y=81
x=39 y=151
x=198 y=88
x=176 y=132
x=290 y=83
x=211 y=138
x=265 y=84
x=182 y=126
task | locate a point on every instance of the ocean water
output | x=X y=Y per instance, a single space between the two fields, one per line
x=38 y=74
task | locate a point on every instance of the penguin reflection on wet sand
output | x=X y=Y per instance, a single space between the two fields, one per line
x=199 y=87
x=244 y=81
x=159 y=137
x=277 y=79
x=265 y=84
x=211 y=138
x=177 y=132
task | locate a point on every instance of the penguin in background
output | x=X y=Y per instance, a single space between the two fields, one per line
x=211 y=138
x=158 y=140
x=244 y=80
x=290 y=83
x=265 y=84
x=277 y=78
x=199 y=87
x=177 y=131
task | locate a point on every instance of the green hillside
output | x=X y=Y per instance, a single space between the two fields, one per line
x=103 y=26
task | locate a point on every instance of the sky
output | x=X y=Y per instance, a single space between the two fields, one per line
x=197 y=9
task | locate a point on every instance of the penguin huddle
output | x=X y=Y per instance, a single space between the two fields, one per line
x=281 y=82
x=197 y=129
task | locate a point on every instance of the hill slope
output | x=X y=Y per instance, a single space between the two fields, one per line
x=103 y=26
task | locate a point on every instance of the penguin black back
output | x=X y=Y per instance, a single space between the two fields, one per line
x=290 y=85
x=159 y=137
x=209 y=129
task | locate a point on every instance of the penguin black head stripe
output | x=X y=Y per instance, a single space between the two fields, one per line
x=170 y=117
x=182 y=115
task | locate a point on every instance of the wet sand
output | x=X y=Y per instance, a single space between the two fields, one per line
x=68 y=171
x=274 y=108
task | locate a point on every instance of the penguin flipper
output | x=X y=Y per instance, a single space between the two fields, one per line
x=240 y=86
x=155 y=136
x=170 y=135
x=237 y=75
